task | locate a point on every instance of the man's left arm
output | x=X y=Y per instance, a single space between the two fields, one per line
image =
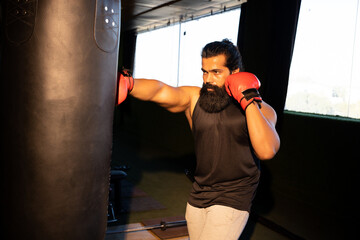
x=260 y=117
x=261 y=126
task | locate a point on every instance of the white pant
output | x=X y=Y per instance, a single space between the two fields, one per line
x=215 y=223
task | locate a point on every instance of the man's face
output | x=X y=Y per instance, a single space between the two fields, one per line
x=213 y=96
x=214 y=70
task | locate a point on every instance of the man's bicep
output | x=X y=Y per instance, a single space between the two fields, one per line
x=174 y=99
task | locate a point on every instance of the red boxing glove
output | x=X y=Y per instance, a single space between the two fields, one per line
x=243 y=86
x=125 y=85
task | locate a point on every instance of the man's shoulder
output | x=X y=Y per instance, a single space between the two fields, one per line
x=192 y=91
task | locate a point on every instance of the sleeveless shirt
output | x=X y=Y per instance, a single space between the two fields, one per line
x=227 y=171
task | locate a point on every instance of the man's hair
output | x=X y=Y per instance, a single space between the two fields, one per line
x=226 y=47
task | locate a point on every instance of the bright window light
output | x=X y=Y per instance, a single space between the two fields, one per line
x=196 y=34
x=325 y=73
x=156 y=55
x=173 y=54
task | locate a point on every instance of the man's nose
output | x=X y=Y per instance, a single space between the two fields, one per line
x=208 y=79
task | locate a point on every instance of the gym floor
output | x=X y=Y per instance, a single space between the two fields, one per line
x=160 y=174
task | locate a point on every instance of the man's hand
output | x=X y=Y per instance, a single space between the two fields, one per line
x=125 y=85
x=243 y=86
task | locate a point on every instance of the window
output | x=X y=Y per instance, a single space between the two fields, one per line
x=173 y=54
x=325 y=73
x=156 y=55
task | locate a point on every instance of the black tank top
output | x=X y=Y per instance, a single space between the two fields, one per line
x=227 y=171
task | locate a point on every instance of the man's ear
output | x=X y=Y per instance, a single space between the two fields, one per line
x=235 y=71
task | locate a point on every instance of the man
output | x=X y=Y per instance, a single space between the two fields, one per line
x=232 y=128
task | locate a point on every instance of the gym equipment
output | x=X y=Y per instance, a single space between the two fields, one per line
x=163 y=226
x=115 y=206
x=59 y=63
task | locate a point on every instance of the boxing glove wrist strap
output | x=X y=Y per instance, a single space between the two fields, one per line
x=250 y=96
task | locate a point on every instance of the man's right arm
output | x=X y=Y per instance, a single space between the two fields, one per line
x=174 y=99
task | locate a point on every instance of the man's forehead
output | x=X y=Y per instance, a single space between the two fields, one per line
x=216 y=62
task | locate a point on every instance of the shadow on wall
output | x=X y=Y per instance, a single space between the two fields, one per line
x=318 y=162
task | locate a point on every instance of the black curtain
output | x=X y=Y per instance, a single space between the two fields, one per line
x=266 y=40
x=127 y=49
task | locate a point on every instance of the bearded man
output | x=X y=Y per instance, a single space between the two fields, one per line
x=233 y=129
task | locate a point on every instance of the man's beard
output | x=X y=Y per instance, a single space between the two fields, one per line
x=213 y=98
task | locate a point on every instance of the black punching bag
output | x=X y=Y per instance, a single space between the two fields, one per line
x=58 y=85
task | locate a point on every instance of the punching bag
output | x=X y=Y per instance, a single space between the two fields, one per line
x=58 y=85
